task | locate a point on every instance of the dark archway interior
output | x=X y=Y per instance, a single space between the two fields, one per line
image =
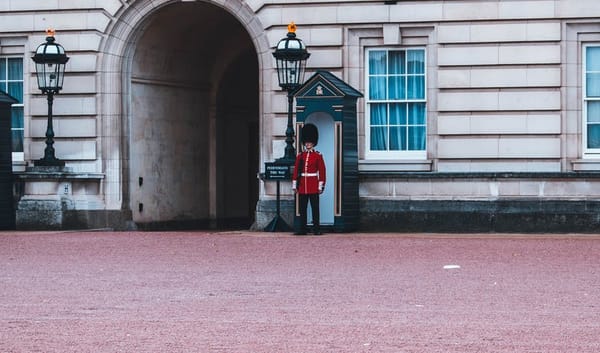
x=194 y=120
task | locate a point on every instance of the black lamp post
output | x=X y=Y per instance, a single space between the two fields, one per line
x=291 y=56
x=50 y=60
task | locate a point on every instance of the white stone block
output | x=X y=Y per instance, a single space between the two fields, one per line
x=14 y=22
x=67 y=150
x=527 y=9
x=478 y=10
x=578 y=8
x=81 y=63
x=529 y=100
x=467 y=101
x=453 y=33
x=544 y=124
x=75 y=84
x=500 y=77
x=491 y=33
x=415 y=11
x=64 y=105
x=454 y=78
x=307 y=15
x=468 y=148
x=529 y=54
x=79 y=4
x=484 y=124
x=362 y=12
x=325 y=58
x=32 y=5
x=529 y=147
x=544 y=77
x=453 y=125
x=468 y=55
x=391 y=34
x=499 y=32
x=255 y=5
x=325 y=36
x=63 y=128
x=544 y=31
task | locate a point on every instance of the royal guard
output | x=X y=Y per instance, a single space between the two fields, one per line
x=308 y=180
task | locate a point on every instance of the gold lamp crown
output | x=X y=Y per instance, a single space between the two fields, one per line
x=50 y=32
x=292 y=27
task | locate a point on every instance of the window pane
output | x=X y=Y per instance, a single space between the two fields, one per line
x=17 y=118
x=398 y=138
x=416 y=113
x=2 y=72
x=593 y=59
x=17 y=129
x=593 y=139
x=593 y=85
x=378 y=138
x=396 y=87
x=15 y=69
x=593 y=111
x=378 y=114
x=15 y=89
x=416 y=87
x=377 y=62
x=377 y=88
x=416 y=137
x=17 y=140
x=396 y=62
x=398 y=114
x=416 y=61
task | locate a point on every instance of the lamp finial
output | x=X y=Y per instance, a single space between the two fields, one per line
x=50 y=32
x=292 y=27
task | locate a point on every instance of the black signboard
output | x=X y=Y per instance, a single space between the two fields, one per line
x=275 y=171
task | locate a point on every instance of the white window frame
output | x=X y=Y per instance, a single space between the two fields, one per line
x=387 y=155
x=587 y=152
x=16 y=156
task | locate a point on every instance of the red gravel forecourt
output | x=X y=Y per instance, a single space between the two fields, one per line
x=257 y=292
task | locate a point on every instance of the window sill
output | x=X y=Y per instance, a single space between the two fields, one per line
x=584 y=165
x=378 y=165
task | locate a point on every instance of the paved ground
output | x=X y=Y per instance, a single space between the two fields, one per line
x=268 y=292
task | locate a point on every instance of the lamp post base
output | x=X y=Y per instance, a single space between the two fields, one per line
x=277 y=225
x=49 y=163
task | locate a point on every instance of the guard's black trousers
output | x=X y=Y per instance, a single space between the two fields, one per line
x=314 y=205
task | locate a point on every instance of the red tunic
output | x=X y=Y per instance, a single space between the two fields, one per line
x=309 y=173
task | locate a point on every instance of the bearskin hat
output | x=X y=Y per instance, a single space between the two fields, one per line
x=310 y=133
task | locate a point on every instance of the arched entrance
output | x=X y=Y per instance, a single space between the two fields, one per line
x=193 y=120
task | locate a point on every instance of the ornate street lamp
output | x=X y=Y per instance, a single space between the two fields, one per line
x=291 y=56
x=50 y=60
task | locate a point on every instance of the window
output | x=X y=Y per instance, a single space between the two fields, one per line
x=11 y=82
x=396 y=111
x=591 y=99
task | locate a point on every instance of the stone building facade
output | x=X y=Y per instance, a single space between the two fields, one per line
x=477 y=114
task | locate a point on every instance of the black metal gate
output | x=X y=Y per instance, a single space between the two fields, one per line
x=7 y=212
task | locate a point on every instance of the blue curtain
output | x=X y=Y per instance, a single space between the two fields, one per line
x=593 y=127
x=378 y=127
x=397 y=75
x=2 y=72
x=417 y=124
x=15 y=72
x=592 y=69
x=17 y=129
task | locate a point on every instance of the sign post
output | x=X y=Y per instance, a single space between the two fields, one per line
x=277 y=172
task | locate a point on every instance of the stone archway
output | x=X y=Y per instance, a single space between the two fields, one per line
x=177 y=112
